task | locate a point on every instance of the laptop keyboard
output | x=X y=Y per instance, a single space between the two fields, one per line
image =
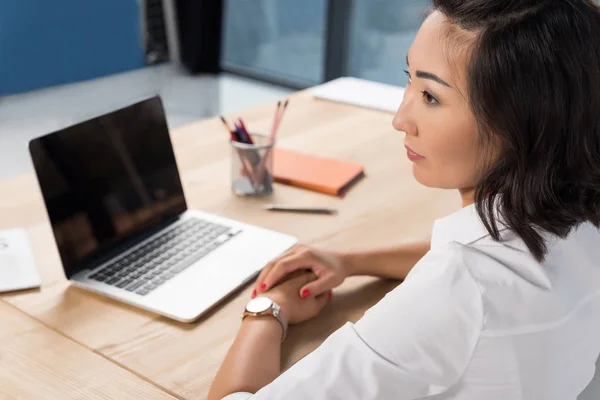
x=159 y=260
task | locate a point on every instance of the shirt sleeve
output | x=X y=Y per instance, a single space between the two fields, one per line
x=239 y=396
x=416 y=342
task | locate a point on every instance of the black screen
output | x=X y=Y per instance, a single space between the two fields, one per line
x=108 y=180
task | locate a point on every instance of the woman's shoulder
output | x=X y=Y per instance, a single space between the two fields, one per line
x=445 y=280
x=444 y=261
x=434 y=318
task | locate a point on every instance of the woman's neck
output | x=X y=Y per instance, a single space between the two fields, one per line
x=467 y=196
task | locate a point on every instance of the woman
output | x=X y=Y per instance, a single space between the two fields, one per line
x=503 y=104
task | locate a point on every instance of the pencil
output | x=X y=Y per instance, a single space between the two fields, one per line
x=243 y=126
x=227 y=126
x=261 y=168
x=247 y=169
x=274 y=126
x=281 y=114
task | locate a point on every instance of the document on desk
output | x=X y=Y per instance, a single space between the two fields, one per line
x=361 y=93
x=17 y=264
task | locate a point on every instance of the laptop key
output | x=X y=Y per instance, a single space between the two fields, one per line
x=183 y=265
x=151 y=286
x=124 y=283
x=170 y=262
x=135 y=285
x=143 y=292
x=168 y=275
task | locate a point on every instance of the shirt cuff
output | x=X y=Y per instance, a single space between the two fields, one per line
x=238 y=396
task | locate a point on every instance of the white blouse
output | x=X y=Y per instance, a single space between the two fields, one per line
x=474 y=319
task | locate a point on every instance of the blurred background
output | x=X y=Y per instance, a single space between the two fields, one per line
x=64 y=61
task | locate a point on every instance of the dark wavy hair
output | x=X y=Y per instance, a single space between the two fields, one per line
x=533 y=79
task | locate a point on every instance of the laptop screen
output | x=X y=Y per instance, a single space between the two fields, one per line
x=106 y=181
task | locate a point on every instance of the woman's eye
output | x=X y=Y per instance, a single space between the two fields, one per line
x=429 y=99
x=408 y=74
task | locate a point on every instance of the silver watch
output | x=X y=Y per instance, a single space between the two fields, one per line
x=262 y=306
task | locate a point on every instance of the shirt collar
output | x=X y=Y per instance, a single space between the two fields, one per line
x=464 y=226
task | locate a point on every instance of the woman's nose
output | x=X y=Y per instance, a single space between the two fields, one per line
x=403 y=120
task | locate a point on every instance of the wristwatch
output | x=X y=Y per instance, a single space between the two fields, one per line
x=263 y=306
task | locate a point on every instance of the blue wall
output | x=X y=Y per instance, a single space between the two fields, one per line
x=49 y=42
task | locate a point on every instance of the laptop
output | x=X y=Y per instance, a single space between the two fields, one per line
x=120 y=220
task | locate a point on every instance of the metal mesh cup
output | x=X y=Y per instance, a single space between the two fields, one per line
x=252 y=166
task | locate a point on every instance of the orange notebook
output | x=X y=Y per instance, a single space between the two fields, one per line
x=310 y=172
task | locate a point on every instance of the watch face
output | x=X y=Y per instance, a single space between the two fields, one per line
x=258 y=304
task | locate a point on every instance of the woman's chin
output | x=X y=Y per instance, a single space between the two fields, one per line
x=423 y=177
x=428 y=179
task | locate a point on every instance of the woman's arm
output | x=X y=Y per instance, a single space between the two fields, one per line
x=416 y=342
x=332 y=268
x=390 y=263
x=253 y=361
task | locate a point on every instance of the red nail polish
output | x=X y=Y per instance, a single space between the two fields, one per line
x=305 y=293
x=262 y=287
x=330 y=295
x=254 y=293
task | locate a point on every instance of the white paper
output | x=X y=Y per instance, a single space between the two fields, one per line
x=17 y=264
x=361 y=93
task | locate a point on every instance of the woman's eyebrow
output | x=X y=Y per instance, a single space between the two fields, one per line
x=429 y=75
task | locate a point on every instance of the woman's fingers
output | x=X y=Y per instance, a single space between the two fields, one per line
x=282 y=268
x=267 y=268
x=318 y=287
x=261 y=277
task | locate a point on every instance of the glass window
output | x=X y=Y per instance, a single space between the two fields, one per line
x=381 y=32
x=283 y=38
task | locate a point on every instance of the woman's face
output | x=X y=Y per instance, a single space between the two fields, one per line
x=441 y=132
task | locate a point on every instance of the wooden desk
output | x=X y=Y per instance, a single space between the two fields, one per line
x=38 y=363
x=385 y=208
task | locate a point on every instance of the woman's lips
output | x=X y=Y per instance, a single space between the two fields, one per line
x=412 y=156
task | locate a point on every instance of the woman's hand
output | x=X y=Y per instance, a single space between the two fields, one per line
x=296 y=309
x=328 y=267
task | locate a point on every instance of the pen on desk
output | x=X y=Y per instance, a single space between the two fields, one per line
x=302 y=210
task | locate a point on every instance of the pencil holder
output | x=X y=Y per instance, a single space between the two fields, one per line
x=252 y=166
